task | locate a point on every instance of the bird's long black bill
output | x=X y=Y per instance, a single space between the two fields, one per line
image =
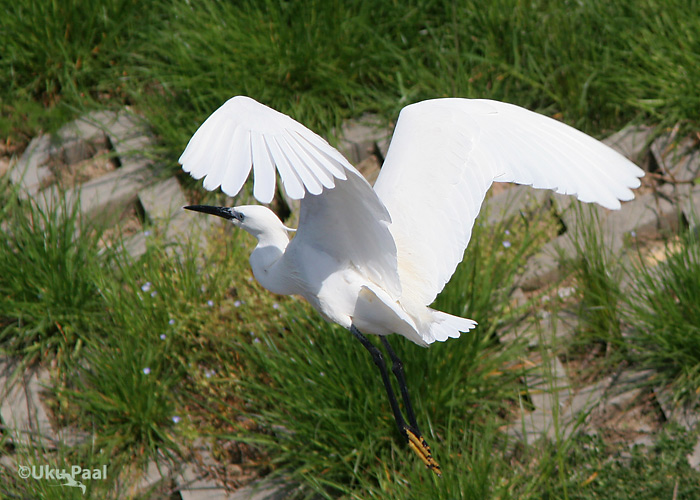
x=225 y=212
x=409 y=431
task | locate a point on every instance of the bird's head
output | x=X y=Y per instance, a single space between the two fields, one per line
x=255 y=219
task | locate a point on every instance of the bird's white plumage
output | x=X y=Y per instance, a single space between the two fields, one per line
x=405 y=237
x=244 y=133
x=443 y=157
x=357 y=234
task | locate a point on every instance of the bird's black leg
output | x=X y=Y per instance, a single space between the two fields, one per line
x=410 y=432
x=397 y=368
x=378 y=359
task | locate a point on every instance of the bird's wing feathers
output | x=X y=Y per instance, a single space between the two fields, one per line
x=340 y=212
x=445 y=154
x=351 y=224
x=244 y=133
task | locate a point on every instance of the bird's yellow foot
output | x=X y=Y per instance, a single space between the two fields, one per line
x=421 y=448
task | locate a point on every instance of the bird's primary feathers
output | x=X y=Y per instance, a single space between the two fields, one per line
x=377 y=257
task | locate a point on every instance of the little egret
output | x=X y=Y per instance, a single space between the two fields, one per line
x=373 y=259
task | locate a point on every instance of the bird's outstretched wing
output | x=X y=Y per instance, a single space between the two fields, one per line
x=244 y=133
x=443 y=157
x=340 y=212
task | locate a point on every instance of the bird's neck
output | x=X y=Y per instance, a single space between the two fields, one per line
x=268 y=264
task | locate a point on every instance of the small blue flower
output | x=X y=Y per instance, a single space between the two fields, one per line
x=506 y=244
x=176 y=419
x=171 y=321
x=210 y=303
x=237 y=303
x=162 y=336
x=146 y=371
x=146 y=287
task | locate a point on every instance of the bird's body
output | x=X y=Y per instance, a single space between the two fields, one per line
x=373 y=259
x=337 y=289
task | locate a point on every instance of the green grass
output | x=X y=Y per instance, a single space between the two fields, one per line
x=149 y=355
x=659 y=471
x=47 y=266
x=597 y=271
x=597 y=64
x=582 y=61
x=121 y=335
x=64 y=56
x=665 y=314
x=133 y=382
x=659 y=312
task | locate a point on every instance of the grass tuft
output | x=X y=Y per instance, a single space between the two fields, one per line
x=665 y=316
x=50 y=305
x=598 y=274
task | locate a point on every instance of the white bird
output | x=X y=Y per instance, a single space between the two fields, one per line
x=373 y=259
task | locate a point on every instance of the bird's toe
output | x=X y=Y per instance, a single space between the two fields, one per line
x=421 y=448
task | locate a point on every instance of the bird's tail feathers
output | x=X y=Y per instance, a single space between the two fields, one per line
x=446 y=326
